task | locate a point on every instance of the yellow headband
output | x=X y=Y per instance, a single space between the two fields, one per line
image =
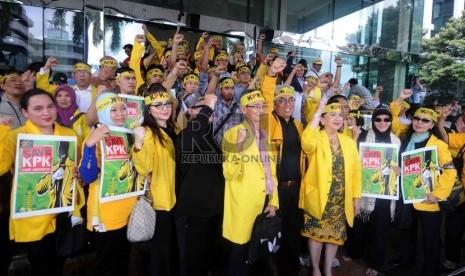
x=227 y=82
x=167 y=54
x=81 y=66
x=252 y=97
x=197 y=55
x=221 y=55
x=126 y=73
x=180 y=51
x=427 y=112
x=109 y=62
x=238 y=54
x=355 y=98
x=217 y=37
x=3 y=78
x=191 y=77
x=274 y=51
x=311 y=79
x=355 y=115
x=156 y=97
x=334 y=107
x=244 y=69
x=154 y=72
x=284 y=91
x=405 y=104
x=108 y=102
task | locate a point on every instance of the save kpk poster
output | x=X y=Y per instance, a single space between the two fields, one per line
x=44 y=175
x=119 y=178
x=379 y=179
x=135 y=107
x=419 y=173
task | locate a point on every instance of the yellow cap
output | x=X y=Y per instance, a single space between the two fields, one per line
x=317 y=61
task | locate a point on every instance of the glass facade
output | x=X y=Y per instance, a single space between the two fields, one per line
x=379 y=41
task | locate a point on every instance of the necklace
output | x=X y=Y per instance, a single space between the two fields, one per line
x=333 y=141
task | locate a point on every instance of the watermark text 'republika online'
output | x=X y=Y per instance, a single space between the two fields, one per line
x=211 y=158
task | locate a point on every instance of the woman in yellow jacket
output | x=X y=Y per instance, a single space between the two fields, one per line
x=331 y=188
x=154 y=154
x=250 y=173
x=36 y=233
x=107 y=220
x=423 y=132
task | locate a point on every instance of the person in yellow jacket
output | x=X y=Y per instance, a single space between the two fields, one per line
x=285 y=133
x=331 y=188
x=36 y=233
x=154 y=154
x=423 y=132
x=85 y=92
x=107 y=220
x=250 y=173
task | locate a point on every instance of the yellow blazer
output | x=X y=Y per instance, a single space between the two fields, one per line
x=31 y=228
x=317 y=180
x=160 y=162
x=245 y=191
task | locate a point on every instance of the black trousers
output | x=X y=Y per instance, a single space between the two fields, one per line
x=238 y=263
x=43 y=258
x=196 y=239
x=162 y=260
x=113 y=249
x=378 y=236
x=292 y=219
x=455 y=226
x=430 y=223
x=6 y=245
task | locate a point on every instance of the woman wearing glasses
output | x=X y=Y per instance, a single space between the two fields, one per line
x=375 y=214
x=423 y=132
x=250 y=173
x=331 y=188
x=154 y=154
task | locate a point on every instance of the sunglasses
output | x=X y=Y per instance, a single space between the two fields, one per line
x=423 y=120
x=386 y=120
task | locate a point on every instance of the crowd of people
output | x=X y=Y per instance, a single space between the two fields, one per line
x=223 y=140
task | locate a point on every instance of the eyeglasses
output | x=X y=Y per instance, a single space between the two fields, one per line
x=262 y=107
x=283 y=101
x=160 y=106
x=82 y=72
x=198 y=106
x=423 y=120
x=386 y=120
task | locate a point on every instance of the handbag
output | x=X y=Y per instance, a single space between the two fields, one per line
x=141 y=225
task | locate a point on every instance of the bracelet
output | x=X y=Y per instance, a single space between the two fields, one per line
x=338 y=65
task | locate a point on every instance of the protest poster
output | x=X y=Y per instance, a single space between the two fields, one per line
x=419 y=173
x=379 y=180
x=135 y=107
x=118 y=177
x=44 y=175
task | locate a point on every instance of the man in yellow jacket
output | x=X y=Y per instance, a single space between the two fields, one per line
x=250 y=173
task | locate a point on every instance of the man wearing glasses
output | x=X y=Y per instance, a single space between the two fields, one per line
x=85 y=92
x=285 y=133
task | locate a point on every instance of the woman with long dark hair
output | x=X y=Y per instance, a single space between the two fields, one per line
x=154 y=154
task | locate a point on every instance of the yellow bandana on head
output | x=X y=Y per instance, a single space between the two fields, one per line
x=197 y=55
x=185 y=43
x=109 y=62
x=191 y=77
x=428 y=113
x=180 y=51
x=405 y=104
x=354 y=98
x=154 y=72
x=107 y=102
x=244 y=69
x=127 y=73
x=3 y=78
x=221 y=56
x=167 y=54
x=227 y=83
x=357 y=114
x=252 y=97
x=284 y=91
x=156 y=98
x=334 y=107
x=274 y=51
x=81 y=66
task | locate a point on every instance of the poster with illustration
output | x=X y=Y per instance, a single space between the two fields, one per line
x=44 y=175
x=420 y=171
x=118 y=178
x=135 y=107
x=379 y=177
